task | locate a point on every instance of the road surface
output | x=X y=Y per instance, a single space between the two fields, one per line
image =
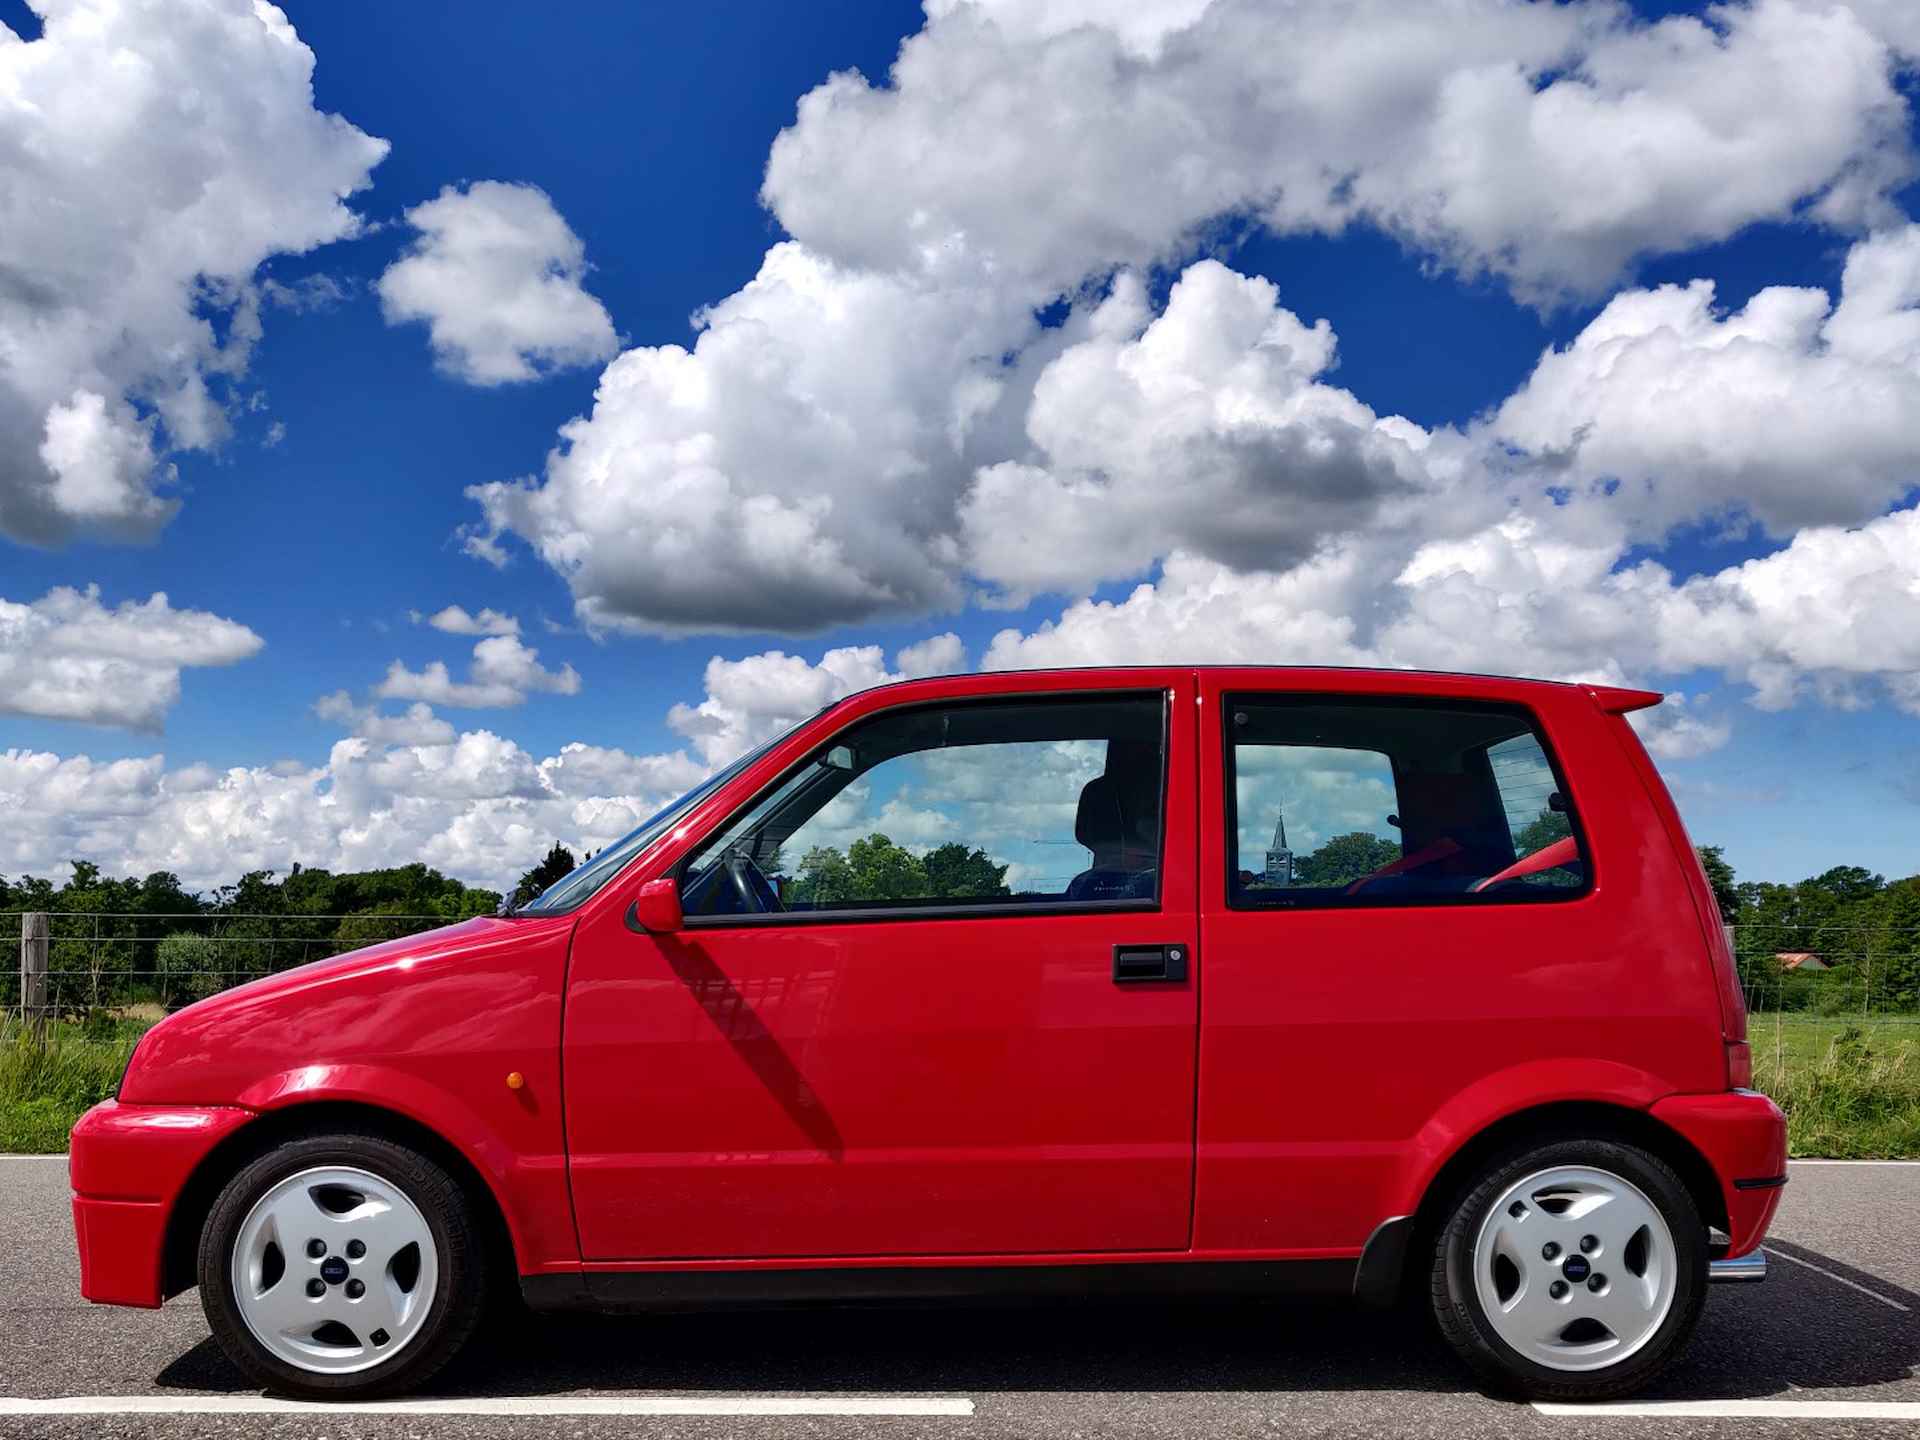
x=1829 y=1344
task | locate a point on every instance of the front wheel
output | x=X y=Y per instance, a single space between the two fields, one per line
x=341 y=1267
x=1571 y=1271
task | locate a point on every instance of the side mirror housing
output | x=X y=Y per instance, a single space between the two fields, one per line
x=656 y=909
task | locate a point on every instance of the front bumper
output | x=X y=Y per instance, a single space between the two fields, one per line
x=1743 y=1136
x=127 y=1165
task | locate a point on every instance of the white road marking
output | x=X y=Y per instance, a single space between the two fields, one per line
x=1746 y=1409
x=1841 y=1279
x=512 y=1405
x=1889 y=1164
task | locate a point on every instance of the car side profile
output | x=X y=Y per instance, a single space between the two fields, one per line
x=1077 y=983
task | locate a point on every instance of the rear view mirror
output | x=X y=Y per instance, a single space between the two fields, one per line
x=840 y=757
x=656 y=909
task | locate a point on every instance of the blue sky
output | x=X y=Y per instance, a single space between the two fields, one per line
x=333 y=508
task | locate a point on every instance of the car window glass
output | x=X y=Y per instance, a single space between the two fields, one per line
x=1313 y=815
x=1350 y=802
x=977 y=804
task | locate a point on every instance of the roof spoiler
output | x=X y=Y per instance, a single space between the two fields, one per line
x=1616 y=701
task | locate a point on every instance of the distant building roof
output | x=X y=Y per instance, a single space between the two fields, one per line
x=1801 y=960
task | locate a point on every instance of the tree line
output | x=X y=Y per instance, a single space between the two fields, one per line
x=124 y=941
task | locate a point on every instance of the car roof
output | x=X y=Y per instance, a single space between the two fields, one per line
x=1614 y=699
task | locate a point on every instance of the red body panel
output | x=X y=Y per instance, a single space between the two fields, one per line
x=427 y=1027
x=1744 y=1137
x=127 y=1164
x=920 y=1090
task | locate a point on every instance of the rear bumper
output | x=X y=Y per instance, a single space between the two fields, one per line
x=127 y=1165
x=1743 y=1136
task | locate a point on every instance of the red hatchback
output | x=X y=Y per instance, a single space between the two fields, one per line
x=1079 y=983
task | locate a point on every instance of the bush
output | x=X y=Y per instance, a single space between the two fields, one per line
x=1856 y=1098
x=189 y=968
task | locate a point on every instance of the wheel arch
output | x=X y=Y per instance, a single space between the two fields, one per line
x=187 y=1217
x=1383 y=1273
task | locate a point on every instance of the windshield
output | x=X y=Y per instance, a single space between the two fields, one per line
x=578 y=884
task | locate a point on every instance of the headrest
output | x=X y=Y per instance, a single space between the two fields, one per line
x=1100 y=825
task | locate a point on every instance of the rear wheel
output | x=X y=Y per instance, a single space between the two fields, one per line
x=341 y=1267
x=1572 y=1271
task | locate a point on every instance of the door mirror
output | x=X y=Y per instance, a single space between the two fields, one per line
x=656 y=909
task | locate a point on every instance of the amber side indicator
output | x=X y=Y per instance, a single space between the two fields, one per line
x=515 y=1080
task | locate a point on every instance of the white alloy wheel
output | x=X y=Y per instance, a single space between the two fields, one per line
x=334 y=1270
x=1575 y=1268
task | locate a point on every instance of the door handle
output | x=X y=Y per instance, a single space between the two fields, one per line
x=1134 y=964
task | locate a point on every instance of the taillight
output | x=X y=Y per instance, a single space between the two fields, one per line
x=1739 y=1065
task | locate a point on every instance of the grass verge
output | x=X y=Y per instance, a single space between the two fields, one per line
x=1851 y=1088
x=50 y=1074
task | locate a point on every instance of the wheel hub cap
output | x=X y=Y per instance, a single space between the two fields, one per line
x=300 y=1246
x=1608 y=1290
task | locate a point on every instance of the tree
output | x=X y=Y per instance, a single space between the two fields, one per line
x=1344 y=859
x=559 y=862
x=953 y=872
x=1543 y=830
x=822 y=879
x=1726 y=893
x=883 y=870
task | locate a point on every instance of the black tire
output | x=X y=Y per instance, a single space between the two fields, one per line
x=1463 y=1320
x=457 y=1306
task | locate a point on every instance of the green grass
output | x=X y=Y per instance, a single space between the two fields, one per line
x=48 y=1078
x=1851 y=1088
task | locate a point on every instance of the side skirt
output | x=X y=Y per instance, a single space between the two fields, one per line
x=655 y=1291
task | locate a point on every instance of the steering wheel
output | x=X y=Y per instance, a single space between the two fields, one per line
x=756 y=892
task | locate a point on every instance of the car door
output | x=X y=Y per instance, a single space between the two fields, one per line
x=934 y=995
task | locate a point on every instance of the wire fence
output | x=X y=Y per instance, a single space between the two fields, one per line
x=136 y=966
x=108 y=965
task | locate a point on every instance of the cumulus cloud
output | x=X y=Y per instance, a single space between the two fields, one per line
x=66 y=656
x=1203 y=428
x=455 y=621
x=798 y=468
x=495 y=275
x=155 y=155
x=877 y=426
x=1835 y=614
x=1044 y=142
x=1794 y=409
x=503 y=672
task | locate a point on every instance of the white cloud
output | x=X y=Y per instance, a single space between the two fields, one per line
x=1203 y=428
x=1835 y=614
x=155 y=154
x=496 y=277
x=937 y=655
x=66 y=656
x=455 y=621
x=798 y=468
x=875 y=425
x=1550 y=144
x=416 y=725
x=503 y=672
x=1794 y=409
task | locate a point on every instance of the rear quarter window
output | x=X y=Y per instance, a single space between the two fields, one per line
x=1349 y=802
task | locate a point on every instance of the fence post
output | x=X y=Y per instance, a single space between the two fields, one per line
x=35 y=931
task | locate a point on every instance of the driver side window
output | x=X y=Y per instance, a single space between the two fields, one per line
x=961 y=805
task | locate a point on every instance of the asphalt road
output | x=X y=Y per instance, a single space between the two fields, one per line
x=1847 y=1331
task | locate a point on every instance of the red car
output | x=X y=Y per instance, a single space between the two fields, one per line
x=1078 y=983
